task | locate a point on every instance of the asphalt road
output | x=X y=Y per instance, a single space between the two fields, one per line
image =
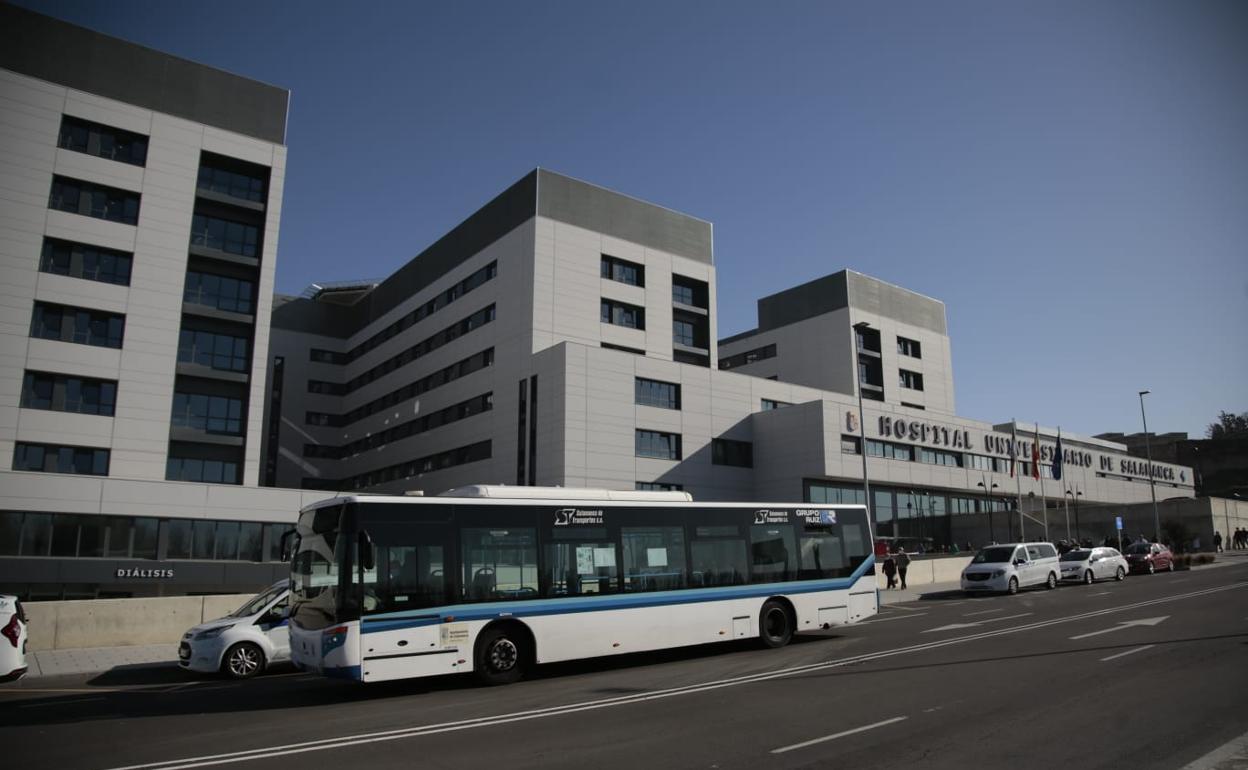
x=1148 y=673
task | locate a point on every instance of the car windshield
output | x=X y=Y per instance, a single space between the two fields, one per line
x=1139 y=548
x=994 y=555
x=1076 y=555
x=257 y=602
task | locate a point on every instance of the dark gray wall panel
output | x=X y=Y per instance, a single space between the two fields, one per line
x=849 y=289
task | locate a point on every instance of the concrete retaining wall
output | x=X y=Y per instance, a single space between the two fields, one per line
x=121 y=622
x=926 y=571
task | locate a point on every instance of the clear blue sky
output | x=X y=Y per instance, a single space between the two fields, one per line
x=1070 y=178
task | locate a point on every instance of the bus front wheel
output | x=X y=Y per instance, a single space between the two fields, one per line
x=501 y=655
x=775 y=625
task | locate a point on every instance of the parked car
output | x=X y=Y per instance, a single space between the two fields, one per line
x=243 y=643
x=1010 y=567
x=13 y=644
x=1149 y=557
x=1086 y=565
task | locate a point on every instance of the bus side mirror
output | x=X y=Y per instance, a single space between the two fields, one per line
x=283 y=551
x=366 y=551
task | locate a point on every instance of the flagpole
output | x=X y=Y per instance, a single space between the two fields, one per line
x=1018 y=481
x=1043 y=501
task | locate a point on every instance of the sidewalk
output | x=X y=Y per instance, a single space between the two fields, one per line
x=915 y=593
x=96 y=659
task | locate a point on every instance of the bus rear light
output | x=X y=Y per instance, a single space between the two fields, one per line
x=12 y=631
x=335 y=631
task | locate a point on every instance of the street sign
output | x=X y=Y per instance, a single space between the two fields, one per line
x=1118 y=523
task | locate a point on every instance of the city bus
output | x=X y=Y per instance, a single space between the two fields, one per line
x=493 y=580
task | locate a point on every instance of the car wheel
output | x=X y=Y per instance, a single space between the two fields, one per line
x=1120 y=574
x=1012 y=587
x=1171 y=567
x=243 y=661
x=1152 y=568
x=501 y=654
x=1088 y=577
x=775 y=627
x=1051 y=583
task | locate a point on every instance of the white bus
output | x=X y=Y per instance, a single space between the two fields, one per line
x=493 y=580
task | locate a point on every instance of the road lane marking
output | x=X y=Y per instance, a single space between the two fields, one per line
x=1129 y=652
x=842 y=734
x=982 y=612
x=268 y=752
x=974 y=623
x=899 y=607
x=885 y=620
x=1127 y=624
x=1102 y=593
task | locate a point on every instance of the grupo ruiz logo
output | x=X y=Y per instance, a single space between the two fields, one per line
x=143 y=573
x=771 y=517
x=568 y=516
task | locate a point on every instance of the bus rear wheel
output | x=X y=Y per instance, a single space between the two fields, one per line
x=501 y=655
x=775 y=625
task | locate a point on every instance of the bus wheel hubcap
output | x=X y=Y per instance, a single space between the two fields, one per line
x=503 y=655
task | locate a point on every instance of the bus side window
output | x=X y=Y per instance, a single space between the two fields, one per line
x=774 y=551
x=822 y=556
x=719 y=556
x=654 y=558
x=500 y=563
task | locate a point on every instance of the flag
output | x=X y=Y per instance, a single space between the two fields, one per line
x=1035 y=455
x=1057 y=457
x=1013 y=449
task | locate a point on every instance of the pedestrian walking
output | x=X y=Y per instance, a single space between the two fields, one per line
x=1217 y=541
x=890 y=572
x=903 y=563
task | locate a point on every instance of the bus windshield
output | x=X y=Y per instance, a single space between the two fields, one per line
x=314 y=594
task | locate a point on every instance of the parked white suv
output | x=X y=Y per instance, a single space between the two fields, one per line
x=12 y=639
x=1010 y=567
x=243 y=643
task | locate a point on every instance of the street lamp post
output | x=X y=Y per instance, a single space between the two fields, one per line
x=1148 y=453
x=862 y=423
x=1075 y=494
x=988 y=504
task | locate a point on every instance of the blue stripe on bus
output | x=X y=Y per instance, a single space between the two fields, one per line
x=568 y=605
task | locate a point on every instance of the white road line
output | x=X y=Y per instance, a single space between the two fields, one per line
x=834 y=736
x=982 y=612
x=899 y=607
x=1129 y=652
x=185 y=763
x=974 y=623
x=885 y=620
x=1102 y=593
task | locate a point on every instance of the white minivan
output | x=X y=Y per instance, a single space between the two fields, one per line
x=1010 y=567
x=243 y=643
x=12 y=639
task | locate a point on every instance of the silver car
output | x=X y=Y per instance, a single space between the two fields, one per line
x=1087 y=565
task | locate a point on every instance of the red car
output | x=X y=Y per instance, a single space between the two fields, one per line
x=1149 y=557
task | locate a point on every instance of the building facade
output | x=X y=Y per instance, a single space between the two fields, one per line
x=562 y=336
x=139 y=213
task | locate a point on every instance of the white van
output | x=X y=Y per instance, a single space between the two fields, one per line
x=243 y=643
x=12 y=639
x=1010 y=567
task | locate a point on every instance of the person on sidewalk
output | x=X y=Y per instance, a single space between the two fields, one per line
x=903 y=563
x=1217 y=541
x=890 y=572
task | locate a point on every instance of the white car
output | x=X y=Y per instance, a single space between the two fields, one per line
x=1086 y=565
x=1010 y=567
x=12 y=639
x=243 y=643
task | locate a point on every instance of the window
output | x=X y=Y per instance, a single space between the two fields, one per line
x=426 y=422
x=423 y=348
x=623 y=349
x=689 y=292
x=889 y=450
x=443 y=376
x=868 y=340
x=319 y=356
x=211 y=414
x=580 y=561
x=214 y=178
x=665 y=395
x=216 y=351
x=250 y=541
x=718 y=556
x=94 y=200
x=725 y=451
x=623 y=314
x=78 y=325
x=937 y=457
x=657 y=486
x=908 y=379
x=225 y=235
x=774 y=554
x=78 y=260
x=908 y=347
x=654 y=558
x=850 y=445
x=662 y=446
x=770 y=404
x=682 y=295
x=913 y=406
x=219 y=291
x=682 y=333
x=321 y=419
x=198 y=469
x=65 y=393
x=50 y=458
x=748 y=357
x=500 y=564
x=980 y=463
x=102 y=141
x=615 y=269
x=326 y=388
x=482 y=450
x=177 y=539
